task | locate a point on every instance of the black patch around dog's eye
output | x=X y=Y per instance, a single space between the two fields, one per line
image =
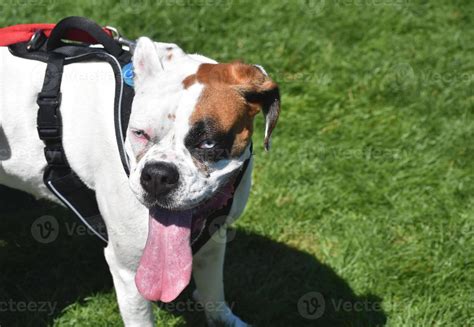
x=204 y=130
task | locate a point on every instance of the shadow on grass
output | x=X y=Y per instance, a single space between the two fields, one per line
x=268 y=283
x=47 y=277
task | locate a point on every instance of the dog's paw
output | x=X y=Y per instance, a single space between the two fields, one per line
x=222 y=318
x=226 y=320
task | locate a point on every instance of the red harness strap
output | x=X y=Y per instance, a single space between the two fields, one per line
x=23 y=33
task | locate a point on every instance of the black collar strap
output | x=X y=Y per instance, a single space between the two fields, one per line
x=218 y=219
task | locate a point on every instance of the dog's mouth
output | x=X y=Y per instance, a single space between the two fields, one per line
x=166 y=264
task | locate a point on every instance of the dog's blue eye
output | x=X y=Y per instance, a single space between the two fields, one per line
x=207 y=144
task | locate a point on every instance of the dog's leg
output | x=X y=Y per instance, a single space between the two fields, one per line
x=135 y=310
x=127 y=229
x=208 y=268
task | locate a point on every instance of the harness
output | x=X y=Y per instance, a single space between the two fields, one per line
x=46 y=43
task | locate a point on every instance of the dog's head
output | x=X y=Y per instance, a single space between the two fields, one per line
x=188 y=136
x=191 y=123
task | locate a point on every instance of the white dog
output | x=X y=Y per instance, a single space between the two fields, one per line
x=186 y=109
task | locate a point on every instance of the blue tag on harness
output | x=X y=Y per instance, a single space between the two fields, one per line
x=127 y=74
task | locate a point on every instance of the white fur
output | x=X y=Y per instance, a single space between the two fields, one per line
x=89 y=142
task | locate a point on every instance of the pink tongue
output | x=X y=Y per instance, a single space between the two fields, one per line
x=166 y=264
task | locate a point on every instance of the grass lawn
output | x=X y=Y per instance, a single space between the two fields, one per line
x=363 y=212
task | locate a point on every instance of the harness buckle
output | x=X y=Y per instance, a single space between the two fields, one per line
x=55 y=156
x=120 y=39
x=47 y=134
x=49 y=117
x=45 y=100
x=36 y=41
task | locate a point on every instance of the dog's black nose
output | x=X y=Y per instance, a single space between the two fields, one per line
x=159 y=178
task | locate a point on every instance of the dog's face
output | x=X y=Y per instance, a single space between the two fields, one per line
x=191 y=124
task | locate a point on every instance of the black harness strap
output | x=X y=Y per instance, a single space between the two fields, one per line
x=58 y=176
x=49 y=115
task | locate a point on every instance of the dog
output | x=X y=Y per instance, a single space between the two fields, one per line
x=189 y=134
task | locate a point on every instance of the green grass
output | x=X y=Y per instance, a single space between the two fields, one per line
x=366 y=197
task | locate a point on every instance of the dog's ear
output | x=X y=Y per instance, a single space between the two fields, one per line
x=146 y=61
x=262 y=93
x=259 y=91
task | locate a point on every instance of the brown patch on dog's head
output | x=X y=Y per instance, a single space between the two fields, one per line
x=233 y=94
